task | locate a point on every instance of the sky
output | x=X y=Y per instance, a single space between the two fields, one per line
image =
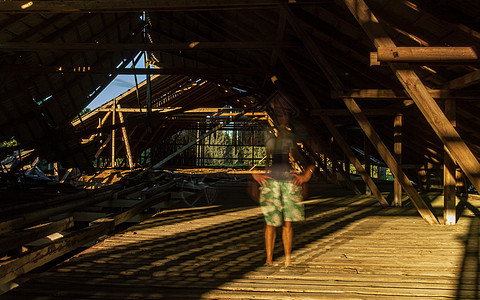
x=119 y=85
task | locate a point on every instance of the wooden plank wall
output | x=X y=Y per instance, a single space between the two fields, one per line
x=347 y=248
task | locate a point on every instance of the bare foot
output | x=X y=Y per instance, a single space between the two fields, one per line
x=269 y=262
x=287 y=261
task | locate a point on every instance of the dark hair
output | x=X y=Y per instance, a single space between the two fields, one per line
x=279 y=107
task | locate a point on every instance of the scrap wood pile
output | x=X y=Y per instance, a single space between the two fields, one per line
x=35 y=232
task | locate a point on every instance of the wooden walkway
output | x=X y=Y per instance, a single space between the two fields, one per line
x=348 y=248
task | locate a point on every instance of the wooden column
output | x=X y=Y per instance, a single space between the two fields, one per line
x=126 y=140
x=420 y=95
x=449 y=167
x=366 y=161
x=397 y=150
x=113 y=132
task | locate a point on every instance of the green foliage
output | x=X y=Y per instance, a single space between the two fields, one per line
x=11 y=143
x=222 y=148
x=83 y=112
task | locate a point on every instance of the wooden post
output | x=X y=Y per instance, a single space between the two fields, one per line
x=55 y=170
x=113 y=132
x=126 y=140
x=449 y=182
x=366 y=160
x=397 y=150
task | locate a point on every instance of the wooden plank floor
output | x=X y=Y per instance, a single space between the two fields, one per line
x=347 y=248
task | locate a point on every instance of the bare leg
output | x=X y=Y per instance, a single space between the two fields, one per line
x=270 y=235
x=287 y=237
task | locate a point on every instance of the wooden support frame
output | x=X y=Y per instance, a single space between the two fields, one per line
x=419 y=93
x=382 y=149
x=319 y=58
x=203 y=136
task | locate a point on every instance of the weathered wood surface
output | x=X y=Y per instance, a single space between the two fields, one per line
x=347 y=248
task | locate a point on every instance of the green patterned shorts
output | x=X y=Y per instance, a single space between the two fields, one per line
x=281 y=201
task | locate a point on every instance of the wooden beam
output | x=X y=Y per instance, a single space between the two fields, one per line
x=345 y=112
x=126 y=140
x=102 y=122
x=379 y=94
x=103 y=146
x=426 y=54
x=82 y=70
x=29 y=218
x=311 y=47
x=92 y=6
x=10 y=270
x=449 y=168
x=464 y=81
x=397 y=150
x=17 y=239
x=112 y=47
x=282 y=22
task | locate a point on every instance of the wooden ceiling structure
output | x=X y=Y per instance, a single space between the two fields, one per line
x=401 y=74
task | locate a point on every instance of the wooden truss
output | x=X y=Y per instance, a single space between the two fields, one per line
x=454 y=144
x=362 y=120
